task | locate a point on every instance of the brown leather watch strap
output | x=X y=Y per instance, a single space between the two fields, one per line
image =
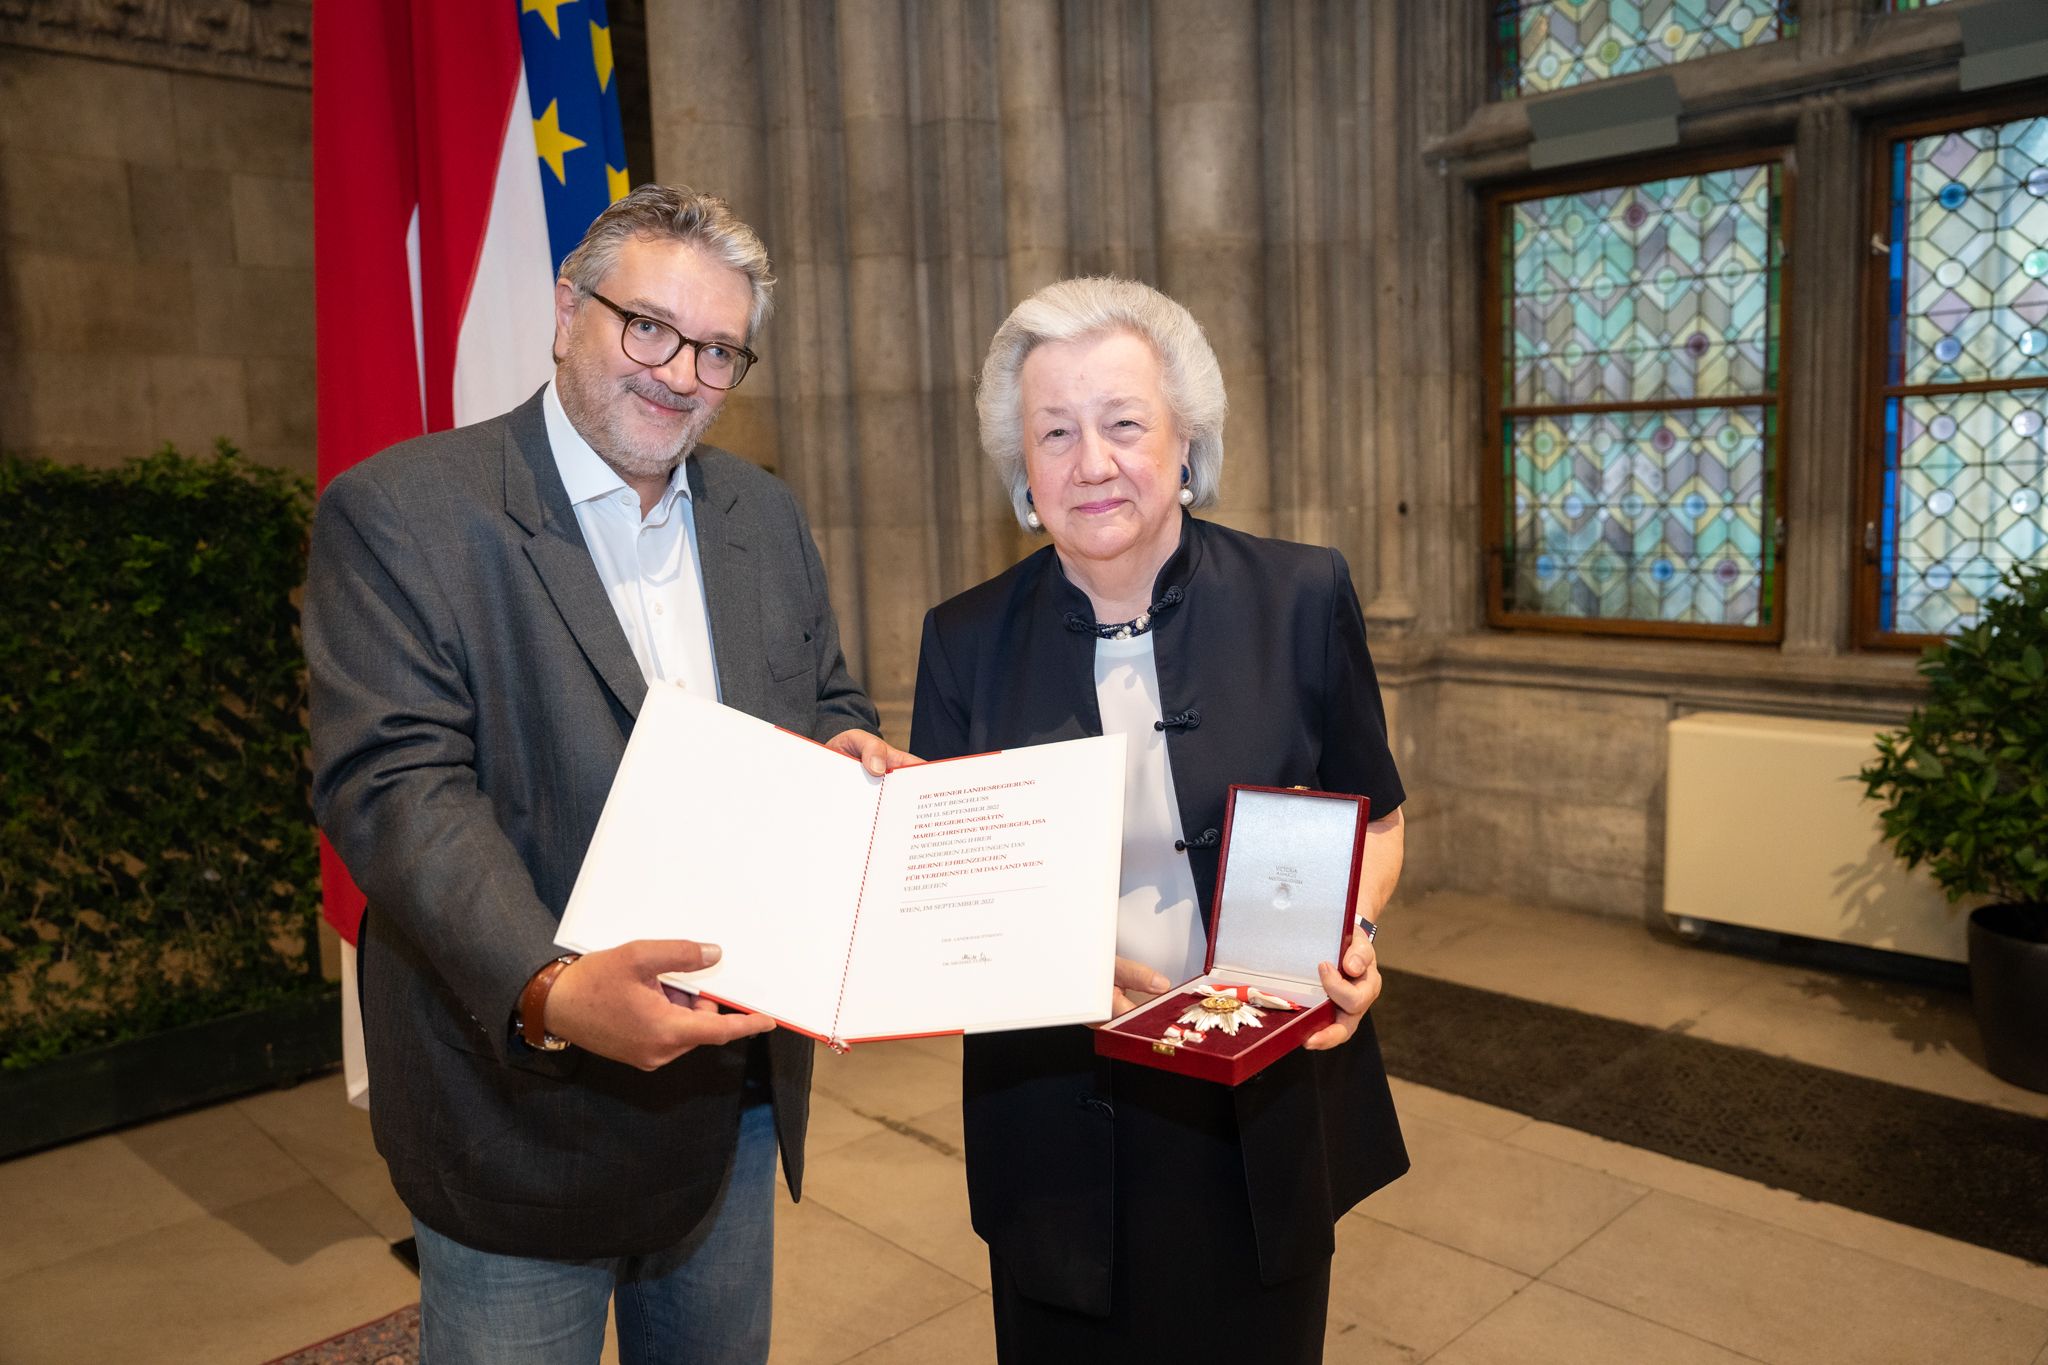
x=533 y=1007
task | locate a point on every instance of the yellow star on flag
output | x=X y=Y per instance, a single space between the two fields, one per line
x=547 y=10
x=601 y=50
x=552 y=143
x=618 y=181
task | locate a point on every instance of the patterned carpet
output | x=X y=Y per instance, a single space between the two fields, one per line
x=1962 y=1170
x=393 y=1340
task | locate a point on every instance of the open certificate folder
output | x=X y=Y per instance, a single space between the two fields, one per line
x=963 y=896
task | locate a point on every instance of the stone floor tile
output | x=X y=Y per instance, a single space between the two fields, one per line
x=1602 y=964
x=887 y=1080
x=366 y=1189
x=946 y=1047
x=945 y=1127
x=1992 y=1271
x=1509 y=1205
x=835 y=1124
x=1615 y=967
x=249 y=1282
x=907 y=1190
x=1790 y=1299
x=216 y=1156
x=1907 y=1035
x=1545 y=1325
x=315 y=1124
x=91 y=1194
x=840 y=1289
x=1455 y=1111
x=1396 y=1296
x=1597 y=963
x=964 y=1334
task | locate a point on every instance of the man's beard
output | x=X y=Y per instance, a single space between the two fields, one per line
x=595 y=407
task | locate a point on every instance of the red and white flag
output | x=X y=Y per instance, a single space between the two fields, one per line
x=435 y=185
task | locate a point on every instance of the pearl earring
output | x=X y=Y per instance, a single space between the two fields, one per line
x=1031 y=520
x=1187 y=497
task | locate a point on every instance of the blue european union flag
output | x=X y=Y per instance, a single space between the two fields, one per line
x=568 y=50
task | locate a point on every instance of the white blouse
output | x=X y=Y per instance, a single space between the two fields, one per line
x=1158 y=922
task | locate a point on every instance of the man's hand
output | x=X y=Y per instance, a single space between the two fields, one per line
x=1352 y=991
x=1133 y=976
x=612 y=1003
x=876 y=754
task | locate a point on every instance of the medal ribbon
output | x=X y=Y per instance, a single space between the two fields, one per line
x=1248 y=995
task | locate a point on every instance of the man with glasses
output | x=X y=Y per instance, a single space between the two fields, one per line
x=485 y=611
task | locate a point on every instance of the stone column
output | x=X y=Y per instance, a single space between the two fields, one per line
x=1032 y=101
x=1206 y=118
x=1392 y=413
x=958 y=203
x=1427 y=78
x=1819 y=378
x=811 y=371
x=1317 y=274
x=1032 y=108
x=894 y=493
x=704 y=80
x=1830 y=27
x=1446 y=514
x=1110 y=189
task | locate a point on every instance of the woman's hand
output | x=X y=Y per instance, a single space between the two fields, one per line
x=1133 y=976
x=1352 y=991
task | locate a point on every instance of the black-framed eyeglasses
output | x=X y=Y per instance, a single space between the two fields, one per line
x=653 y=343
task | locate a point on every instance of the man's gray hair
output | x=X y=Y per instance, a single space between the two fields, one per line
x=1093 y=306
x=675 y=213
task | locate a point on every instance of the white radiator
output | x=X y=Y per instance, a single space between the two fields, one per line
x=1766 y=827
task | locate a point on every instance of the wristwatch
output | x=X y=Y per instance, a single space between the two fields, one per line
x=530 y=1019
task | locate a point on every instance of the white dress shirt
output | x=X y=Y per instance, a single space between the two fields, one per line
x=648 y=564
x=1157 y=921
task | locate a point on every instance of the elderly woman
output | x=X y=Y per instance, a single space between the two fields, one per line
x=1128 y=1208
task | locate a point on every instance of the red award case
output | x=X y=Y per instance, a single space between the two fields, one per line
x=1289 y=875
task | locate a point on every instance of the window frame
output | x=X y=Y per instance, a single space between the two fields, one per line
x=1867 y=529
x=1496 y=567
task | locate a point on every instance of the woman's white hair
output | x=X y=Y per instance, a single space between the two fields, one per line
x=1073 y=309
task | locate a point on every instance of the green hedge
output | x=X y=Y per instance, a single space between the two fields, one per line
x=158 y=864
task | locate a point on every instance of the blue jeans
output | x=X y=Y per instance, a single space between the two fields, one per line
x=706 y=1299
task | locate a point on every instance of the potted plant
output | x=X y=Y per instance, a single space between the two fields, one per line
x=1965 y=787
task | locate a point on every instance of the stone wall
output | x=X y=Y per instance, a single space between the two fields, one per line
x=156 y=276
x=1308 y=177
x=918 y=168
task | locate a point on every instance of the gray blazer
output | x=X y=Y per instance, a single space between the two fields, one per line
x=472 y=693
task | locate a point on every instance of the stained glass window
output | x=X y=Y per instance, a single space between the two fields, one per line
x=1966 y=372
x=1544 y=45
x=1639 y=425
